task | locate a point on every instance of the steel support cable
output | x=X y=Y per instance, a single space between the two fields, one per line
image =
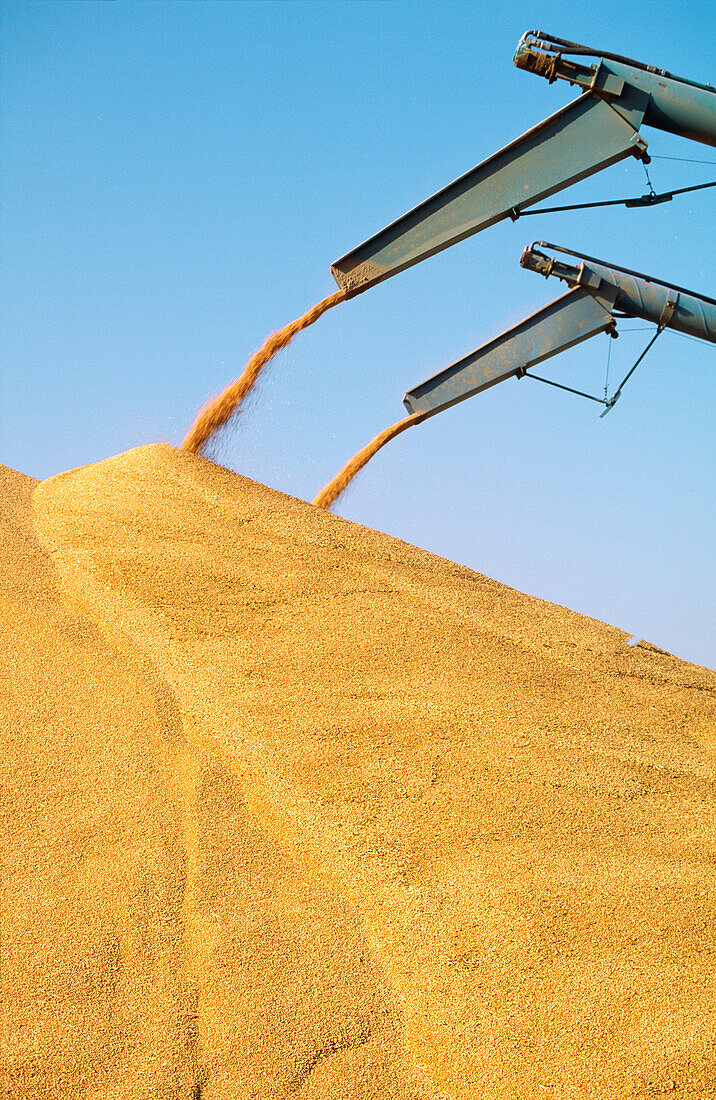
x=608 y=402
x=643 y=200
x=606 y=377
x=618 y=392
x=683 y=160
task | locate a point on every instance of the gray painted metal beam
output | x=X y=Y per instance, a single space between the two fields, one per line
x=566 y=321
x=585 y=136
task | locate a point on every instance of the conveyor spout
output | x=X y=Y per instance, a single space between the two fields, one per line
x=598 y=129
x=567 y=321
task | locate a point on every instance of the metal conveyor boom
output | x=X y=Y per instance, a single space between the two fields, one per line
x=599 y=294
x=592 y=132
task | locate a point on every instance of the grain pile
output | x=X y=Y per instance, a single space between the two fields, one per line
x=298 y=810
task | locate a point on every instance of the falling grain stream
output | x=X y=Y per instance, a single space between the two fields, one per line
x=330 y=494
x=218 y=412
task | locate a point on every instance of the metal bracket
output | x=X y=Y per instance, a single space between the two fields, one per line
x=640 y=148
x=672 y=300
x=588 y=278
x=649 y=200
x=607 y=84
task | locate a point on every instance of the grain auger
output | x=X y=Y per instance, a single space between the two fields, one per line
x=599 y=294
x=599 y=128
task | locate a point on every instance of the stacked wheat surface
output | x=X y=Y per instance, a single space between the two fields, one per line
x=298 y=810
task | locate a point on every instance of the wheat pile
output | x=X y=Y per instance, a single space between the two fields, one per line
x=298 y=810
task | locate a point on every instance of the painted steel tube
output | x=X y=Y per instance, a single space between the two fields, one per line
x=692 y=314
x=636 y=294
x=680 y=106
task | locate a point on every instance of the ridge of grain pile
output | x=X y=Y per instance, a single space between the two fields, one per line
x=299 y=810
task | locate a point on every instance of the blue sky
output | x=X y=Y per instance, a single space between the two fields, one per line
x=176 y=180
